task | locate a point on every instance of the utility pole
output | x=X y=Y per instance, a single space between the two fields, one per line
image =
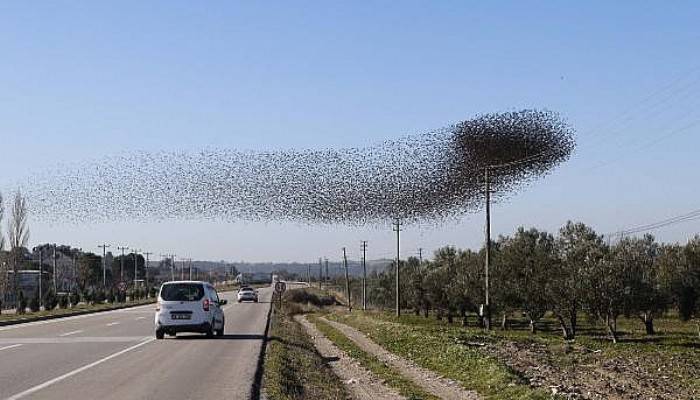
x=104 y=247
x=328 y=278
x=308 y=274
x=146 y=273
x=397 y=229
x=182 y=270
x=41 y=276
x=364 y=275
x=420 y=256
x=54 y=269
x=121 y=270
x=136 y=266
x=487 y=304
x=347 y=280
x=320 y=274
x=189 y=262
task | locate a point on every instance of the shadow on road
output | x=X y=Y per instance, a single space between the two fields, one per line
x=242 y=336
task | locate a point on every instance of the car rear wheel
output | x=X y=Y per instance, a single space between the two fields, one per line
x=159 y=334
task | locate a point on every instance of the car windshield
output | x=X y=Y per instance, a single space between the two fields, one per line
x=182 y=292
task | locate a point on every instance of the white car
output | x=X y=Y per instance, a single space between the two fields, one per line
x=247 y=294
x=189 y=306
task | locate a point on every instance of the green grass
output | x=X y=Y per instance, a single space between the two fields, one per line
x=440 y=346
x=393 y=378
x=66 y=312
x=293 y=367
x=436 y=348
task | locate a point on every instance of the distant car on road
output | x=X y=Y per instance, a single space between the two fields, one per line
x=189 y=306
x=247 y=293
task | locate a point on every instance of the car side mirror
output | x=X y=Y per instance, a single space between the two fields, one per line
x=223 y=302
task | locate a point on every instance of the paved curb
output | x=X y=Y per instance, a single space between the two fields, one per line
x=82 y=312
x=256 y=392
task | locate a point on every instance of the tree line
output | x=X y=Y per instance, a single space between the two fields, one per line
x=573 y=274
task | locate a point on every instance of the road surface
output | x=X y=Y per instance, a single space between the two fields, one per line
x=113 y=355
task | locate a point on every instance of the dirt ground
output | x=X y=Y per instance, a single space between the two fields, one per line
x=576 y=372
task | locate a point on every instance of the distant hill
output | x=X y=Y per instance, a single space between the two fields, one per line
x=334 y=268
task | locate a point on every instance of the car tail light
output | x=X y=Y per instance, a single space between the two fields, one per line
x=205 y=304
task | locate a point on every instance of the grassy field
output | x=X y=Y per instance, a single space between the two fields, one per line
x=293 y=367
x=384 y=372
x=516 y=364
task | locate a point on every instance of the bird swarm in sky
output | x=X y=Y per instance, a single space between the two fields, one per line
x=421 y=178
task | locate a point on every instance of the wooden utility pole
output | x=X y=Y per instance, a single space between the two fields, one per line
x=55 y=287
x=146 y=273
x=121 y=270
x=104 y=247
x=328 y=278
x=397 y=229
x=487 y=303
x=41 y=277
x=320 y=274
x=347 y=280
x=136 y=266
x=364 y=275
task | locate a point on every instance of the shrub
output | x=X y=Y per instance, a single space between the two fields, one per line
x=63 y=301
x=99 y=296
x=74 y=298
x=34 y=304
x=50 y=301
x=303 y=296
x=21 y=303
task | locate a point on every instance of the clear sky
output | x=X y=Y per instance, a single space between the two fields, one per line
x=82 y=80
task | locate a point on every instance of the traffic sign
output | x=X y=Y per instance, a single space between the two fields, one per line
x=280 y=287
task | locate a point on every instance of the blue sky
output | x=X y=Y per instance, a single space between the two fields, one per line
x=82 y=80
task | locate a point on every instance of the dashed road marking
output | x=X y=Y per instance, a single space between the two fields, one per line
x=76 y=371
x=70 y=333
x=113 y=323
x=9 y=347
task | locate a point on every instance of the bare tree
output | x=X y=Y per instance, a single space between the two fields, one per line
x=18 y=235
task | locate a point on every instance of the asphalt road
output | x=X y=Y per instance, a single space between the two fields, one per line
x=113 y=355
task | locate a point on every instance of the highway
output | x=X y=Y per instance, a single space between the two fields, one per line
x=114 y=355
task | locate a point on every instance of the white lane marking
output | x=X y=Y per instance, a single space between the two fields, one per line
x=64 y=319
x=9 y=347
x=113 y=323
x=138 y=318
x=76 y=371
x=72 y=339
x=71 y=333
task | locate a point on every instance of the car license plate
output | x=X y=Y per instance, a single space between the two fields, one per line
x=180 y=316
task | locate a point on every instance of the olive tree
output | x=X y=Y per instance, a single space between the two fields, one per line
x=579 y=249
x=530 y=256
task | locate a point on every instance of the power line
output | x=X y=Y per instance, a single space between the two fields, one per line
x=689 y=216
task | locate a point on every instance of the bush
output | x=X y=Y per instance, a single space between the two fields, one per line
x=63 y=301
x=303 y=296
x=50 y=301
x=152 y=292
x=99 y=296
x=110 y=297
x=74 y=298
x=21 y=303
x=34 y=304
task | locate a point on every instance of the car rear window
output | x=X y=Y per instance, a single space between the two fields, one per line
x=182 y=292
x=246 y=289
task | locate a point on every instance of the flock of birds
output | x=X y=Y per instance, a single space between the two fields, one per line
x=421 y=178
